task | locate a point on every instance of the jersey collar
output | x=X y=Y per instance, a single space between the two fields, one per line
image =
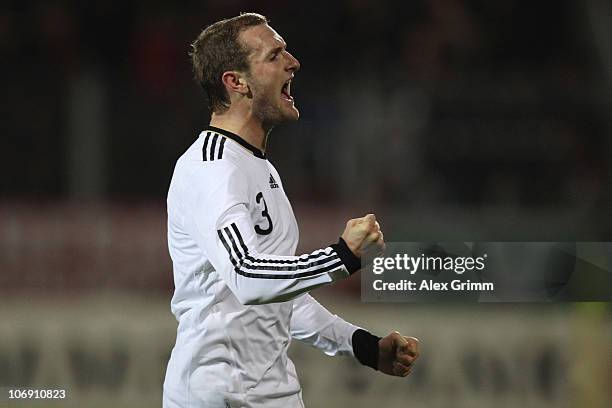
x=256 y=152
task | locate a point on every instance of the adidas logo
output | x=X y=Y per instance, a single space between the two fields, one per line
x=273 y=182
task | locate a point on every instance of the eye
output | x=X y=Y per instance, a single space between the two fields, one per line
x=274 y=56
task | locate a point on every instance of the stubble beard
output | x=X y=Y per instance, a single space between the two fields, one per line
x=268 y=114
x=266 y=111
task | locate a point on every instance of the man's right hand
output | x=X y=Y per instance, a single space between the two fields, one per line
x=364 y=237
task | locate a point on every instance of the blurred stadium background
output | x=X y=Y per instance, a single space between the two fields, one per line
x=451 y=119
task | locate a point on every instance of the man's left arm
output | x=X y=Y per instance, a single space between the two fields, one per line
x=313 y=324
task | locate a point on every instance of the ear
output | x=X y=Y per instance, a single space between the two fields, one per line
x=234 y=81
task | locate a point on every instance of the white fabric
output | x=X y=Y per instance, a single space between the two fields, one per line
x=239 y=294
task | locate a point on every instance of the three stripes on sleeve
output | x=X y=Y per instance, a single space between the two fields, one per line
x=212 y=150
x=260 y=267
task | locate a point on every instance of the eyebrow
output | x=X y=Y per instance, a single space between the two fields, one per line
x=275 y=50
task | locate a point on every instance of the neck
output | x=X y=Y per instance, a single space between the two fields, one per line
x=245 y=126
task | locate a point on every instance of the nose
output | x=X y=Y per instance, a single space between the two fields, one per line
x=294 y=64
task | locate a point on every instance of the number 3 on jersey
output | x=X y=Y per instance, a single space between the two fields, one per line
x=263 y=231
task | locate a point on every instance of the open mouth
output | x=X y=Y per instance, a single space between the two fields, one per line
x=286 y=90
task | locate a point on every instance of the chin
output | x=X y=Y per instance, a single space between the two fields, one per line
x=292 y=115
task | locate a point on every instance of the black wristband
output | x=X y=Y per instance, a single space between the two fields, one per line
x=365 y=348
x=348 y=258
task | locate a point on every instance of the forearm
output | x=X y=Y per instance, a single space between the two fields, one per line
x=314 y=325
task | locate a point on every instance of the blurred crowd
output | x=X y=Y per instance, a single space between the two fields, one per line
x=413 y=104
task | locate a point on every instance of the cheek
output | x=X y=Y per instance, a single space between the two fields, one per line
x=261 y=87
x=264 y=80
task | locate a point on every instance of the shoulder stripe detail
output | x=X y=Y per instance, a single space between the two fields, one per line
x=220 y=155
x=317 y=263
x=210 y=152
x=212 y=147
x=227 y=134
x=205 y=146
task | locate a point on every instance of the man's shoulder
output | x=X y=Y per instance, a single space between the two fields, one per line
x=199 y=173
x=214 y=184
x=209 y=155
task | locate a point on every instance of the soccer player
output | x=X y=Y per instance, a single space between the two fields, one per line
x=240 y=291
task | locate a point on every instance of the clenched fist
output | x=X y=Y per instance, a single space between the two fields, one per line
x=364 y=237
x=397 y=354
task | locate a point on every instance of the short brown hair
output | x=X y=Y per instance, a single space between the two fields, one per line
x=217 y=50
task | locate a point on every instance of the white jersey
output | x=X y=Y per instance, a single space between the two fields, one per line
x=240 y=292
